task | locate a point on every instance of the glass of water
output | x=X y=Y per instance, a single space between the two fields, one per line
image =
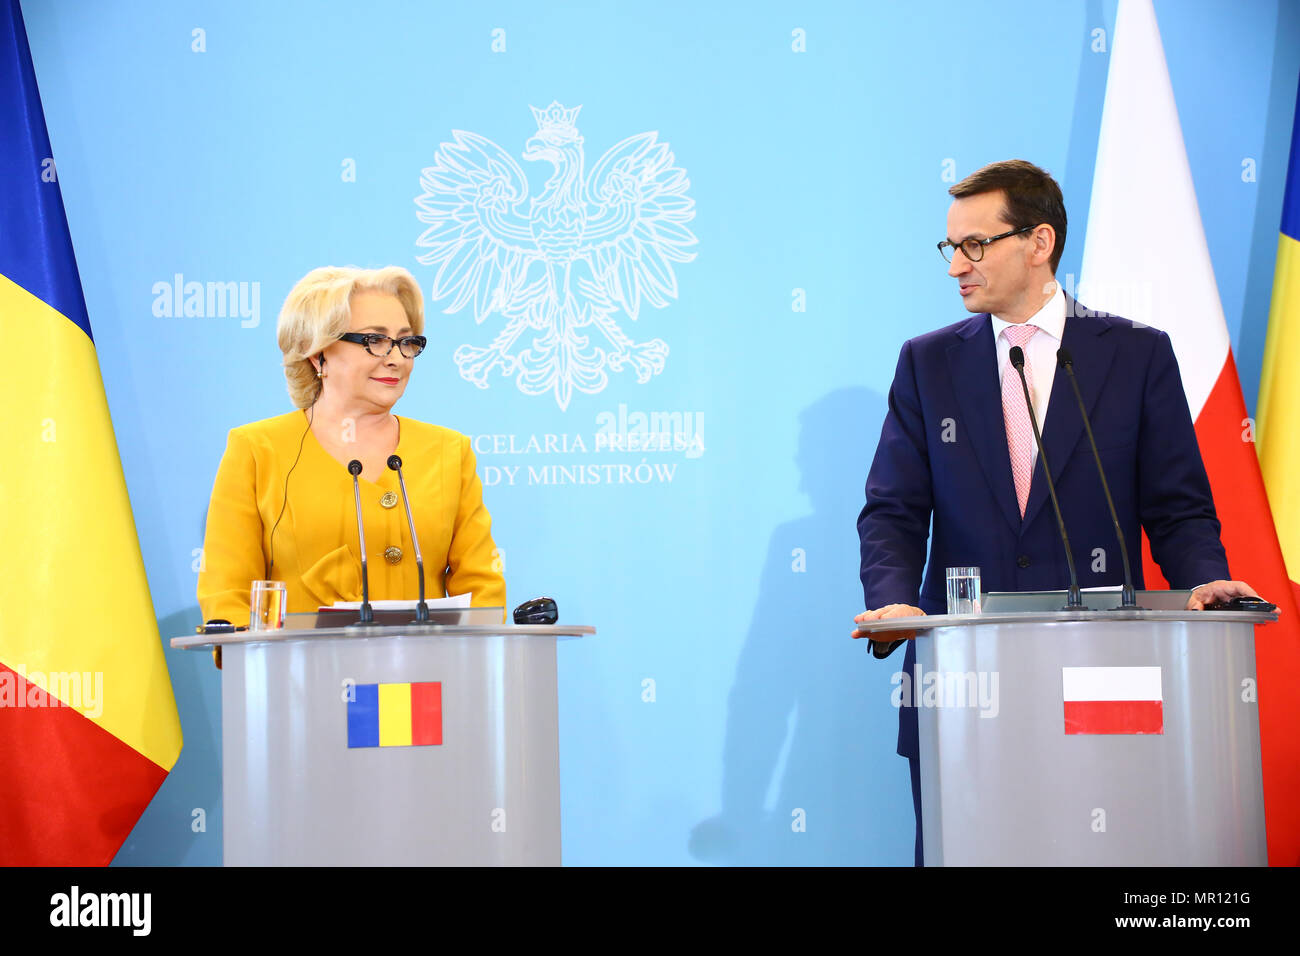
x=963 y=590
x=266 y=602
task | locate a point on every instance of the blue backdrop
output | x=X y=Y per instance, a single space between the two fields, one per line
x=237 y=145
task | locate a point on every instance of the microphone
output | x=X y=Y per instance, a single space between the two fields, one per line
x=1074 y=599
x=367 y=612
x=421 y=609
x=1128 y=599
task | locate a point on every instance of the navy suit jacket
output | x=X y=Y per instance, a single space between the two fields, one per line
x=942 y=463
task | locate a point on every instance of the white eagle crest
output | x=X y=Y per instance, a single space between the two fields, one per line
x=561 y=264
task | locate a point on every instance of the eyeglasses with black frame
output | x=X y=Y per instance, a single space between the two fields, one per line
x=973 y=249
x=373 y=342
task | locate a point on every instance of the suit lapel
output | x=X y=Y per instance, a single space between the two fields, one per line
x=1093 y=352
x=972 y=364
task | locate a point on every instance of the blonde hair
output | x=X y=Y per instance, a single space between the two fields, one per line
x=319 y=309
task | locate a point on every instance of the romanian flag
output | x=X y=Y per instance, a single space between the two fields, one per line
x=1145 y=258
x=88 y=724
x=395 y=715
x=1278 y=418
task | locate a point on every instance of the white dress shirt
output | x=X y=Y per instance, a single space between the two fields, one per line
x=1040 y=353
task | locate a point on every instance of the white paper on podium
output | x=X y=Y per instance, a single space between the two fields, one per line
x=454 y=602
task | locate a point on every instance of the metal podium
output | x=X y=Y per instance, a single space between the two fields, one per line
x=321 y=766
x=1103 y=738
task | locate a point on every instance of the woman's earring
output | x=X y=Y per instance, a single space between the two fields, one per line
x=320 y=372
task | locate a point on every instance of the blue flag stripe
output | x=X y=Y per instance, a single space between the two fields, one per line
x=1291 y=199
x=35 y=246
x=363 y=716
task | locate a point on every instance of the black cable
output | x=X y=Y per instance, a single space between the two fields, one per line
x=311 y=414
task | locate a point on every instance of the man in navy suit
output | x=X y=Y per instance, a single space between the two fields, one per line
x=956 y=451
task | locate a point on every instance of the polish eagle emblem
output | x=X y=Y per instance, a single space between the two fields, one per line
x=559 y=267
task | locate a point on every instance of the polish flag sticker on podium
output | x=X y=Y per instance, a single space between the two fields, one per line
x=1113 y=700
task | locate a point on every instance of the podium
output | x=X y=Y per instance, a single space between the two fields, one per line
x=1103 y=738
x=416 y=745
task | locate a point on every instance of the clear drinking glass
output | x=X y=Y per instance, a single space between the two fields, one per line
x=963 y=590
x=266 y=601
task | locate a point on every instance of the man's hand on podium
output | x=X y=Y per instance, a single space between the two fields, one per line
x=1218 y=591
x=882 y=614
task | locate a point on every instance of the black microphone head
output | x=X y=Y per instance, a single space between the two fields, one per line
x=394 y=462
x=354 y=468
x=1017 y=357
x=1063 y=356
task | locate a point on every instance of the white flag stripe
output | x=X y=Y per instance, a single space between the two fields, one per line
x=1111 y=683
x=1145 y=255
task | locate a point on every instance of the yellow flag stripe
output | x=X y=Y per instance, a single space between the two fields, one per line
x=1277 y=421
x=394 y=715
x=74 y=599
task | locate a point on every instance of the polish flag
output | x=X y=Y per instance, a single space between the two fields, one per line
x=1145 y=258
x=1113 y=700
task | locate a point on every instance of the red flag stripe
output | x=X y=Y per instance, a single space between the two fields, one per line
x=1114 y=717
x=426 y=713
x=71 y=791
x=1255 y=556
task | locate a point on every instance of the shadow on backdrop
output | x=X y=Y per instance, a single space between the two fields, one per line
x=1081 y=153
x=802 y=773
x=1282 y=94
x=166 y=833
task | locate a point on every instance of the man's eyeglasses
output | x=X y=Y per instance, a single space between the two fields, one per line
x=973 y=249
x=380 y=345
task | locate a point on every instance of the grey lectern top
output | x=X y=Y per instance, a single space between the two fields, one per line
x=1101 y=738
x=382 y=745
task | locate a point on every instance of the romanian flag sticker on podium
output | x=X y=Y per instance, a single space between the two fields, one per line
x=1113 y=700
x=395 y=715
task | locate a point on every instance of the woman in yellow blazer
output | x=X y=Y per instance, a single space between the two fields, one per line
x=282 y=505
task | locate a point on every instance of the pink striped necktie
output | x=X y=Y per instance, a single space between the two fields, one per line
x=1015 y=414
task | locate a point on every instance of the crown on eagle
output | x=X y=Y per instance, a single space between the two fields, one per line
x=555 y=116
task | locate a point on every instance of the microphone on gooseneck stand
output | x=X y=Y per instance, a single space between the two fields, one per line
x=1128 y=599
x=1074 y=601
x=367 y=612
x=421 y=609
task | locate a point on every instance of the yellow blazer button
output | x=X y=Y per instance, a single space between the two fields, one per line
x=393 y=555
x=389 y=501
